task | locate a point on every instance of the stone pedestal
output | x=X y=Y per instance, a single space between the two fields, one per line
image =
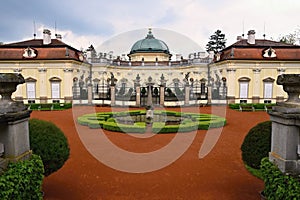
x=285 y=117
x=14 y=116
x=285 y=139
x=15 y=137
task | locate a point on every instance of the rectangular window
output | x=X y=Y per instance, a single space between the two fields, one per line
x=55 y=89
x=244 y=90
x=30 y=90
x=268 y=90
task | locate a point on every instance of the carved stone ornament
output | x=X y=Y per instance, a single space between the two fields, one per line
x=291 y=85
x=269 y=53
x=29 y=53
x=256 y=70
x=8 y=85
x=68 y=70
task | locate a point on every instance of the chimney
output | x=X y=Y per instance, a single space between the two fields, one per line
x=239 y=38
x=46 y=37
x=59 y=37
x=251 y=37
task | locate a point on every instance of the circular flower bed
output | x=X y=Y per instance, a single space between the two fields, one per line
x=162 y=122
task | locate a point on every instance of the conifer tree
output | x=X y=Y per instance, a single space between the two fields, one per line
x=216 y=42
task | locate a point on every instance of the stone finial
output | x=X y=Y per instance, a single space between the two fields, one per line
x=162 y=80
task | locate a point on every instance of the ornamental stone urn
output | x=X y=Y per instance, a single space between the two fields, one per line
x=291 y=85
x=8 y=85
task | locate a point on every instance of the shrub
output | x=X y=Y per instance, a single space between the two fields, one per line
x=234 y=106
x=56 y=106
x=278 y=185
x=62 y=106
x=49 y=142
x=111 y=120
x=257 y=144
x=259 y=106
x=22 y=180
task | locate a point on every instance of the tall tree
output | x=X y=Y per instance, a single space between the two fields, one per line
x=290 y=38
x=216 y=42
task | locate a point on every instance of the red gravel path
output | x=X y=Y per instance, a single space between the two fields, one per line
x=219 y=175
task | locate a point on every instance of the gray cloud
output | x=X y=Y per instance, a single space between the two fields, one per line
x=101 y=19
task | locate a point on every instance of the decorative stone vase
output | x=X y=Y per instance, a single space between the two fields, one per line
x=8 y=85
x=291 y=85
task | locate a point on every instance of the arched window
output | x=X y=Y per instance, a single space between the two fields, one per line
x=268 y=89
x=244 y=89
x=31 y=89
x=55 y=89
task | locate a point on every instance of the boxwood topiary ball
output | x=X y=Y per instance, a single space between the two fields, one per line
x=257 y=144
x=50 y=143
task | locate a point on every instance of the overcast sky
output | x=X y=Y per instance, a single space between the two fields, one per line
x=83 y=23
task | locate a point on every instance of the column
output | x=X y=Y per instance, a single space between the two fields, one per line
x=231 y=85
x=187 y=95
x=162 y=95
x=256 y=85
x=279 y=90
x=112 y=95
x=90 y=93
x=209 y=95
x=138 y=96
x=43 y=85
x=68 y=83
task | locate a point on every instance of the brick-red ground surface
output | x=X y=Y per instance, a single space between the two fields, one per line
x=219 y=175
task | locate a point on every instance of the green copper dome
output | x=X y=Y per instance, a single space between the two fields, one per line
x=149 y=44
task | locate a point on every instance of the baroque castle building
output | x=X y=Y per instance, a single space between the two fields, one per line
x=244 y=72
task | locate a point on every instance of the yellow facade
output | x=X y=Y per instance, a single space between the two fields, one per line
x=43 y=74
x=258 y=73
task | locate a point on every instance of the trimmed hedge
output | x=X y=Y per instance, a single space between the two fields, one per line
x=56 y=106
x=278 y=185
x=49 y=142
x=191 y=121
x=257 y=144
x=257 y=106
x=23 y=180
x=112 y=126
